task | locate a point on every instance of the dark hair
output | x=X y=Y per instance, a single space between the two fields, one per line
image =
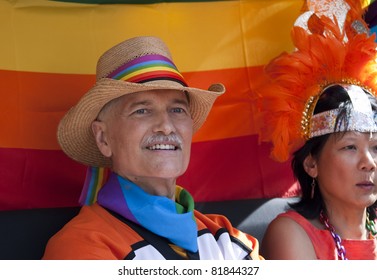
x=332 y=97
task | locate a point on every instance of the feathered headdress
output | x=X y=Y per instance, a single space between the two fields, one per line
x=333 y=46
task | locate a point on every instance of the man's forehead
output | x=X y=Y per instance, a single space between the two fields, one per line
x=153 y=95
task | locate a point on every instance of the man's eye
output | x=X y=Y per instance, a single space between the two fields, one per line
x=178 y=110
x=140 y=111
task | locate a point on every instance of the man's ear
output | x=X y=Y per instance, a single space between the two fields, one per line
x=100 y=135
x=310 y=166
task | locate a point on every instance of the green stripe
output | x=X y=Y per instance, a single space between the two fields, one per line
x=131 y=1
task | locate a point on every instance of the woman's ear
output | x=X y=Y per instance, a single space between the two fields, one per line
x=100 y=135
x=310 y=166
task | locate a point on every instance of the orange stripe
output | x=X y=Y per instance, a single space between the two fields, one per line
x=35 y=102
x=232 y=114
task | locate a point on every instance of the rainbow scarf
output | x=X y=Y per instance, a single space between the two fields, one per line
x=160 y=215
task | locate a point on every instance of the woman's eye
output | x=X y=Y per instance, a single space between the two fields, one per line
x=350 y=147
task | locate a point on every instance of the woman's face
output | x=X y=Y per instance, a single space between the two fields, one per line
x=346 y=169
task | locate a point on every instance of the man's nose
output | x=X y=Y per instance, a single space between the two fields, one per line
x=164 y=124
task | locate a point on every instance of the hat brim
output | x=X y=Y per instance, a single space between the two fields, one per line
x=74 y=131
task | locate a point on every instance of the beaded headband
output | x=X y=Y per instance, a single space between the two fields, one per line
x=361 y=117
x=332 y=46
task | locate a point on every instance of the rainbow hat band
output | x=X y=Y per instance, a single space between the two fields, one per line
x=148 y=68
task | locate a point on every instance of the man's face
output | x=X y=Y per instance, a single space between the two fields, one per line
x=147 y=134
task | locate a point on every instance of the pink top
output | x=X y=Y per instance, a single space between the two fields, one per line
x=324 y=244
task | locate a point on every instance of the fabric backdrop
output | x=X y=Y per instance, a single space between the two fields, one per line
x=48 y=55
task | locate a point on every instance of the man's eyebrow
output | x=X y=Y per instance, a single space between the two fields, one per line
x=176 y=101
x=181 y=101
x=138 y=103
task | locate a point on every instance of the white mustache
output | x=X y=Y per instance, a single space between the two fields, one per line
x=171 y=139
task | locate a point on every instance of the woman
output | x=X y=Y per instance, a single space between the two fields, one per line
x=337 y=175
x=319 y=106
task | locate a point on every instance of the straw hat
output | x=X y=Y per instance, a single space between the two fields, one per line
x=135 y=65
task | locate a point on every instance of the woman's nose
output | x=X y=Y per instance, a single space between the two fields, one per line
x=368 y=162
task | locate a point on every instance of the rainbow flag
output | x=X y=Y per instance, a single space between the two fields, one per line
x=48 y=55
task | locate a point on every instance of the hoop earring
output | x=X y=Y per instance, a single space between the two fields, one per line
x=313 y=188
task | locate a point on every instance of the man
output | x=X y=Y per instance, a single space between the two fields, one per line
x=138 y=120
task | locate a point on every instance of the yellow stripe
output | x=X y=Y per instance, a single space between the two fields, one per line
x=57 y=37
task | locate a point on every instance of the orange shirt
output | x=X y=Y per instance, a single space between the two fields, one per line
x=96 y=234
x=324 y=244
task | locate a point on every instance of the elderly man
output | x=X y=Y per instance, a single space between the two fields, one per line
x=138 y=120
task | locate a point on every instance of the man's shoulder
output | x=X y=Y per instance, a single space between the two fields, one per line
x=212 y=222
x=94 y=229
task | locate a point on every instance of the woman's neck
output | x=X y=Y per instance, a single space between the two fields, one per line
x=348 y=224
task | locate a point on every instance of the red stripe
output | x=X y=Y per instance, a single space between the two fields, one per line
x=235 y=168
x=38 y=179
